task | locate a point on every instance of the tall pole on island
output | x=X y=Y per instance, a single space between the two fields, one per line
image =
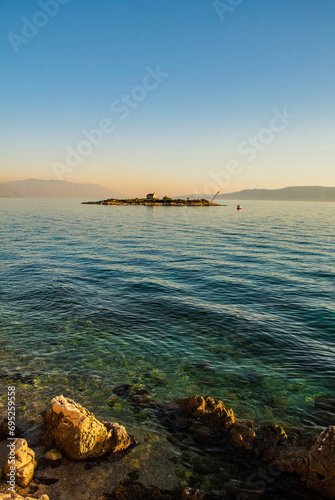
x=214 y=196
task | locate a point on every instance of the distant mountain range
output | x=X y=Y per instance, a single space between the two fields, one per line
x=293 y=193
x=34 y=188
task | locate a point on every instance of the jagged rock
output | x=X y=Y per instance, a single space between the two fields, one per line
x=54 y=455
x=79 y=435
x=243 y=433
x=268 y=439
x=271 y=441
x=321 y=473
x=262 y=439
x=193 y=494
x=208 y=410
x=25 y=463
x=10 y=496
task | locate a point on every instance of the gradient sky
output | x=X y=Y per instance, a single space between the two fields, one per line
x=226 y=78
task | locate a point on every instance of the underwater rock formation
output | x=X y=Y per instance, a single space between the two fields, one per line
x=316 y=465
x=262 y=439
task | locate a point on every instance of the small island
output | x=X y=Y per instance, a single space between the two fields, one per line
x=152 y=200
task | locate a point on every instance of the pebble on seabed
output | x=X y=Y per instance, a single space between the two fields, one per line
x=54 y=455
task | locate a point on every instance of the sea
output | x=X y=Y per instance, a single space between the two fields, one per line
x=174 y=301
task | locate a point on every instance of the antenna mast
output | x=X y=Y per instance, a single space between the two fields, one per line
x=214 y=197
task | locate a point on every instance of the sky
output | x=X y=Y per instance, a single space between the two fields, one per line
x=171 y=96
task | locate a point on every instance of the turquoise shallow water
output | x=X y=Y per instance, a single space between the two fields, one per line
x=178 y=300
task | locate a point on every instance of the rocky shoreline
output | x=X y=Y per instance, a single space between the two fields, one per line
x=80 y=457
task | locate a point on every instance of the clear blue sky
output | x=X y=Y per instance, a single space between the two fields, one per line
x=226 y=78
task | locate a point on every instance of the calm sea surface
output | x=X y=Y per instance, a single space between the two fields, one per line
x=176 y=300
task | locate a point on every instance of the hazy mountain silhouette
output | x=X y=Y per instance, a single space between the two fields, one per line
x=292 y=193
x=35 y=188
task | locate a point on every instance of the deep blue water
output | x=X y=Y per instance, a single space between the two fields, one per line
x=178 y=300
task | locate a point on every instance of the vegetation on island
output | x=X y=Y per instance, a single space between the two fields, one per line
x=165 y=201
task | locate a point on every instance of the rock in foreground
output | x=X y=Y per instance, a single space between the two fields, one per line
x=321 y=475
x=79 y=435
x=25 y=463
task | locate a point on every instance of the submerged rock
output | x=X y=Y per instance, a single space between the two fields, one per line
x=79 y=435
x=138 y=397
x=23 y=459
x=137 y=491
x=321 y=473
